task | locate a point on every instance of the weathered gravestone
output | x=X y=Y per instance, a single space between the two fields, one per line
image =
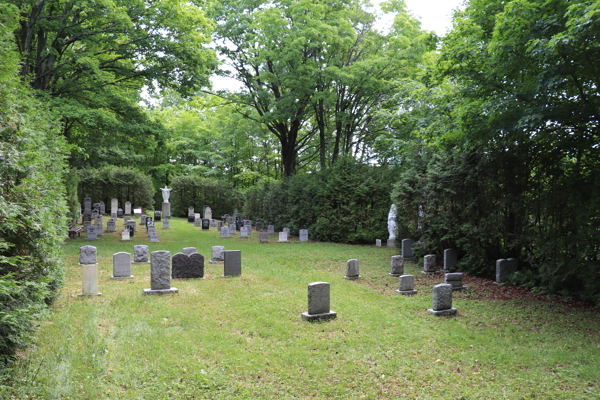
x=92 y=232
x=232 y=230
x=166 y=223
x=207 y=213
x=140 y=253
x=143 y=220
x=191 y=211
x=442 y=300
x=111 y=225
x=217 y=254
x=391 y=243
x=188 y=266
x=205 y=224
x=287 y=231
x=429 y=264
x=378 y=242
x=407 y=252
x=397 y=266
x=157 y=215
x=318 y=303
x=137 y=212
x=87 y=205
x=88 y=272
x=455 y=279
x=118 y=214
x=151 y=229
x=304 y=235
x=87 y=255
x=407 y=285
x=270 y=229
x=283 y=237
x=232 y=261
x=189 y=250
x=505 y=268
x=238 y=225
x=153 y=237
x=263 y=237
x=122 y=265
x=244 y=232
x=114 y=205
x=102 y=209
x=353 y=269
x=160 y=279
x=127 y=208
x=197 y=220
x=125 y=235
x=449 y=259
x=224 y=232
x=100 y=225
x=132 y=227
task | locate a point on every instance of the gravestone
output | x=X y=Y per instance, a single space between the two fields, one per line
x=95 y=213
x=191 y=211
x=189 y=250
x=92 y=233
x=353 y=269
x=232 y=230
x=100 y=225
x=442 y=300
x=220 y=224
x=127 y=208
x=166 y=210
x=397 y=266
x=407 y=252
x=429 y=264
x=102 y=209
x=185 y=266
x=111 y=226
x=264 y=237
x=149 y=222
x=287 y=231
x=160 y=271
x=87 y=205
x=153 y=237
x=270 y=229
x=318 y=303
x=126 y=218
x=143 y=220
x=192 y=218
x=157 y=215
x=114 y=204
x=449 y=259
x=205 y=224
x=455 y=279
x=140 y=253
x=166 y=223
x=505 y=268
x=87 y=255
x=378 y=242
x=121 y=265
x=224 y=232
x=407 y=285
x=151 y=229
x=125 y=234
x=217 y=254
x=197 y=220
x=304 y=235
x=137 y=212
x=244 y=232
x=89 y=280
x=283 y=237
x=232 y=261
x=238 y=225
x=133 y=225
x=391 y=243
x=207 y=213
x=118 y=214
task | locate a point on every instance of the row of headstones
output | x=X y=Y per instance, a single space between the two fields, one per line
x=188 y=264
x=89 y=208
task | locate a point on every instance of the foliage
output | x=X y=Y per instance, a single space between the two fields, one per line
x=347 y=203
x=32 y=206
x=195 y=191
x=125 y=184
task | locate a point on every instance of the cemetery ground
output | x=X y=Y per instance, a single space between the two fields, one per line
x=243 y=337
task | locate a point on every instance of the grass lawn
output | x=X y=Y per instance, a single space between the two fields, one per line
x=243 y=337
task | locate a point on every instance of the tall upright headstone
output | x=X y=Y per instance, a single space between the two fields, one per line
x=127 y=208
x=450 y=257
x=429 y=264
x=378 y=242
x=166 y=206
x=102 y=208
x=166 y=223
x=207 y=213
x=224 y=232
x=407 y=251
x=304 y=235
x=397 y=266
x=217 y=254
x=505 y=268
x=205 y=224
x=232 y=230
x=114 y=205
x=353 y=269
x=100 y=225
x=318 y=303
x=232 y=262
x=122 y=265
x=160 y=271
x=87 y=205
x=87 y=259
x=442 y=300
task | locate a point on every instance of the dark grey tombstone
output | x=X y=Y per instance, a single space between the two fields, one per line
x=191 y=218
x=455 y=279
x=160 y=280
x=505 y=268
x=232 y=260
x=157 y=215
x=205 y=224
x=270 y=229
x=185 y=267
x=264 y=237
x=407 y=252
x=442 y=300
x=449 y=259
x=318 y=303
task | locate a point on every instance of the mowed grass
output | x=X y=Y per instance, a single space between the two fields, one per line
x=243 y=337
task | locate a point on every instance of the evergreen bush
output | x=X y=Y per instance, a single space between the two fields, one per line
x=195 y=191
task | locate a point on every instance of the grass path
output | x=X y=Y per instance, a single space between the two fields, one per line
x=243 y=338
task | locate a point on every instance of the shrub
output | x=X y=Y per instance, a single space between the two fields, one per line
x=195 y=191
x=125 y=184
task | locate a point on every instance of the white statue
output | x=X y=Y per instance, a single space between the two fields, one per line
x=392 y=222
x=165 y=193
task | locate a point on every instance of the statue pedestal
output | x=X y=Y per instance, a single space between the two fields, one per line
x=166 y=210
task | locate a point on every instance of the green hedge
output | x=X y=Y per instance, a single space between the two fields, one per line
x=197 y=192
x=125 y=184
x=348 y=203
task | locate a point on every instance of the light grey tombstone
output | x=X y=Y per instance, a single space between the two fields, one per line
x=407 y=285
x=283 y=237
x=125 y=235
x=232 y=262
x=143 y=220
x=287 y=231
x=127 y=208
x=92 y=232
x=102 y=208
x=397 y=266
x=213 y=223
x=153 y=237
x=191 y=211
x=166 y=210
x=304 y=235
x=151 y=230
x=208 y=213
x=89 y=281
x=189 y=250
x=111 y=225
x=87 y=255
x=407 y=251
x=122 y=265
x=114 y=205
x=455 y=279
x=505 y=268
x=263 y=237
x=197 y=220
x=378 y=242
x=224 y=232
x=126 y=218
x=429 y=264
x=160 y=271
x=217 y=254
x=442 y=300
x=232 y=230
x=165 y=223
x=318 y=303
x=450 y=258
x=391 y=243
x=140 y=254
x=244 y=232
x=270 y=229
x=87 y=205
x=353 y=269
